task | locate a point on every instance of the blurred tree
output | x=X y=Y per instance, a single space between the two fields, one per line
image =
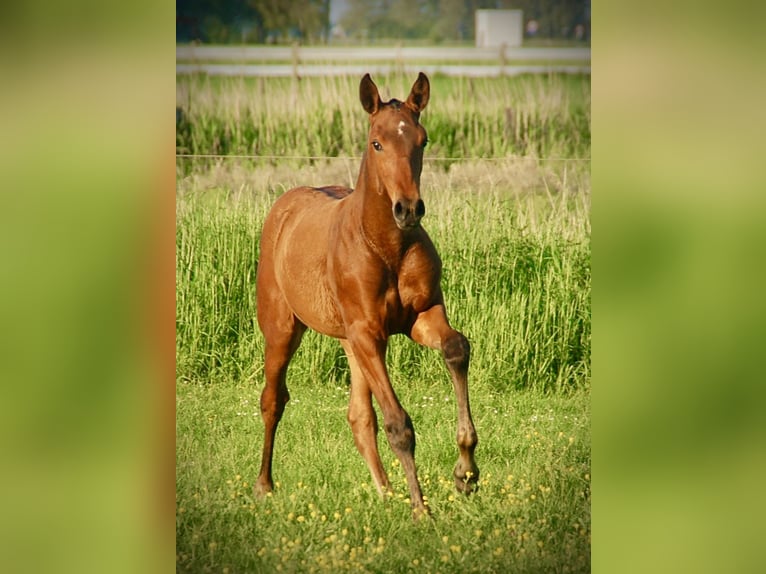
x=306 y=20
x=440 y=20
x=228 y=21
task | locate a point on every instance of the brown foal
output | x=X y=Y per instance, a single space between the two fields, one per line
x=356 y=265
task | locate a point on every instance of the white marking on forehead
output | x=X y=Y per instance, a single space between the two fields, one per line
x=400 y=129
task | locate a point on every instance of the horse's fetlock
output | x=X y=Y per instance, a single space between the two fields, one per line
x=467 y=439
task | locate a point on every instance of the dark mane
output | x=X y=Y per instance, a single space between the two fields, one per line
x=335 y=191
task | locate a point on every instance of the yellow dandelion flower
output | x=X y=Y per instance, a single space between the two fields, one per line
x=445 y=539
x=290 y=516
x=416 y=562
x=499 y=551
x=455 y=548
x=336 y=515
x=348 y=510
x=301 y=518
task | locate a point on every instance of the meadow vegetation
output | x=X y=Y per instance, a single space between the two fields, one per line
x=513 y=231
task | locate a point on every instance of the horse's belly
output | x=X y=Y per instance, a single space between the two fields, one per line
x=312 y=302
x=301 y=267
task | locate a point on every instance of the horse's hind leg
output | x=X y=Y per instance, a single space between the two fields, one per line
x=364 y=422
x=433 y=330
x=283 y=335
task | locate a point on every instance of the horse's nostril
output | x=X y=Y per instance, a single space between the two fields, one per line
x=420 y=208
x=398 y=209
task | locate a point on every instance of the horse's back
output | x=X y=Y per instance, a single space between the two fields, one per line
x=301 y=207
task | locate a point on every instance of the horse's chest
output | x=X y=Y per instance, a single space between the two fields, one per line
x=402 y=303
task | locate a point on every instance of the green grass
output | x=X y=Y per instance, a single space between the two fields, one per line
x=514 y=236
x=531 y=513
x=544 y=116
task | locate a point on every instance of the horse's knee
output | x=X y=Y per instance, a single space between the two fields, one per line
x=457 y=350
x=401 y=434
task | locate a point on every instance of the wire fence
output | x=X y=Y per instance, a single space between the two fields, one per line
x=359 y=158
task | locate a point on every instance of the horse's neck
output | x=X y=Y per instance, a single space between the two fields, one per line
x=376 y=222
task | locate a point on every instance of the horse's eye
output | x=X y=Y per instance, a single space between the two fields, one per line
x=377 y=146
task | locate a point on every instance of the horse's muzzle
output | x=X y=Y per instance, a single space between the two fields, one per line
x=408 y=213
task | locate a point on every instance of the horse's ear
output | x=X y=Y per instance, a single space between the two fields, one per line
x=368 y=95
x=421 y=90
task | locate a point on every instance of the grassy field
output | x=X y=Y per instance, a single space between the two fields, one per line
x=544 y=116
x=514 y=235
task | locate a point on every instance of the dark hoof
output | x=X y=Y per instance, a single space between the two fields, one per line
x=468 y=482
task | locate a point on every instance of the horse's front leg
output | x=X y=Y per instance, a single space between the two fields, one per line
x=364 y=422
x=369 y=352
x=432 y=329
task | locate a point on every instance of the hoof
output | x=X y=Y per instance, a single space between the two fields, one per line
x=468 y=482
x=421 y=513
x=261 y=489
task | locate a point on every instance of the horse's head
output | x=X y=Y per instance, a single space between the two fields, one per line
x=395 y=147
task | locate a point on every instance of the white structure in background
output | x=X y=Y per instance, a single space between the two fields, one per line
x=497 y=27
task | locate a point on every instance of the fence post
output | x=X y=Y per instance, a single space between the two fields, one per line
x=503 y=59
x=295 y=53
